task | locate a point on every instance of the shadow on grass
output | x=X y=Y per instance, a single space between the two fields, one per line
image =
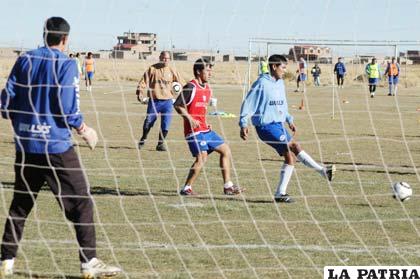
x=379 y=168
x=42 y=276
x=98 y=190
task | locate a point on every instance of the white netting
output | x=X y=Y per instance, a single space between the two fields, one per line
x=147 y=229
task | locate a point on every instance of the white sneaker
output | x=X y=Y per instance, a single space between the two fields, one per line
x=96 y=268
x=7 y=268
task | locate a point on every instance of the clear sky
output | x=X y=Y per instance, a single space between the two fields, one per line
x=224 y=25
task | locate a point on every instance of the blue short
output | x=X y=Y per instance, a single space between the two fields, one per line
x=275 y=135
x=302 y=77
x=164 y=107
x=393 y=80
x=89 y=75
x=208 y=141
x=373 y=81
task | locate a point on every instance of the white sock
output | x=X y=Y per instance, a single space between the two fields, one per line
x=186 y=187
x=228 y=184
x=286 y=172
x=307 y=160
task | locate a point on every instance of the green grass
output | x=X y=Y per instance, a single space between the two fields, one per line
x=150 y=231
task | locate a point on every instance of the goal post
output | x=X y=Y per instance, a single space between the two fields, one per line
x=387 y=48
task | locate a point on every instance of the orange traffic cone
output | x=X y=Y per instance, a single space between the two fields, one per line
x=302 y=106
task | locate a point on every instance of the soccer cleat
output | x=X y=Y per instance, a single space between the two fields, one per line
x=7 y=268
x=141 y=143
x=372 y=95
x=330 y=172
x=233 y=190
x=389 y=94
x=161 y=147
x=284 y=199
x=187 y=192
x=96 y=269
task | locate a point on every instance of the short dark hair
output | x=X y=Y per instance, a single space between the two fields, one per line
x=89 y=53
x=163 y=52
x=200 y=64
x=276 y=59
x=55 y=29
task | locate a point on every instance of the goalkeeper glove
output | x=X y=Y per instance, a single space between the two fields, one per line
x=88 y=135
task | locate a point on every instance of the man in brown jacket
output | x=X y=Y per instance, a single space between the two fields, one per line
x=156 y=83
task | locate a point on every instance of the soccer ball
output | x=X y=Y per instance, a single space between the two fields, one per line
x=402 y=191
x=145 y=100
x=176 y=88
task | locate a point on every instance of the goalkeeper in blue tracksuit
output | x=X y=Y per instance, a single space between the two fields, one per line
x=41 y=98
x=266 y=104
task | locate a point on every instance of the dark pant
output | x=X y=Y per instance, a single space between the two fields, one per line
x=66 y=179
x=340 y=80
x=154 y=108
x=372 y=88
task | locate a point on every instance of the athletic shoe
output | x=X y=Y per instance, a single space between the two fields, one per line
x=7 y=268
x=372 y=95
x=389 y=94
x=233 y=190
x=96 y=268
x=187 y=192
x=284 y=199
x=297 y=90
x=161 y=147
x=330 y=172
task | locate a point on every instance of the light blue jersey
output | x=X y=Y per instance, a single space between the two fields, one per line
x=265 y=103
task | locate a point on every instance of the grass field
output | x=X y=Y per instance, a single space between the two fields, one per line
x=145 y=227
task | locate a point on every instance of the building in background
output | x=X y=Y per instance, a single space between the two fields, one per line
x=132 y=45
x=310 y=53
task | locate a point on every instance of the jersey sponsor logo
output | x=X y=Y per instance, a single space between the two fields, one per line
x=200 y=104
x=35 y=129
x=282 y=138
x=276 y=102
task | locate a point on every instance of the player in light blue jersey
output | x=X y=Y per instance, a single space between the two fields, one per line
x=266 y=104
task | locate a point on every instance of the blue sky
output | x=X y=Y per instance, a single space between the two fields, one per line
x=224 y=25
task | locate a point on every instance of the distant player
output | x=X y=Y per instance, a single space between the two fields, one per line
x=393 y=72
x=191 y=104
x=264 y=66
x=156 y=84
x=373 y=71
x=266 y=104
x=301 y=78
x=89 y=69
x=42 y=118
x=340 y=72
x=79 y=64
x=316 y=72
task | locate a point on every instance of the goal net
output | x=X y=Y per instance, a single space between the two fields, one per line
x=145 y=227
